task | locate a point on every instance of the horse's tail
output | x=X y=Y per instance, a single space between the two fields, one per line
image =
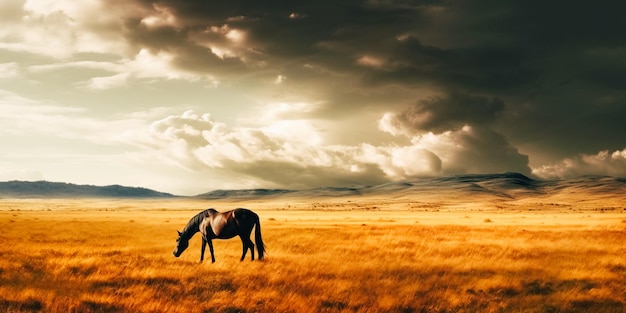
x=260 y=247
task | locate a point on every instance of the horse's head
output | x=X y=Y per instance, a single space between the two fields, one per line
x=181 y=245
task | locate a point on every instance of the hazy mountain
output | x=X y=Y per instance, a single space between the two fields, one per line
x=243 y=193
x=504 y=185
x=45 y=189
x=458 y=187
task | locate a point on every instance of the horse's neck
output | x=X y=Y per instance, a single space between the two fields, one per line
x=194 y=225
x=189 y=231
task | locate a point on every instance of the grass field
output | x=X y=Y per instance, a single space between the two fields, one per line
x=346 y=255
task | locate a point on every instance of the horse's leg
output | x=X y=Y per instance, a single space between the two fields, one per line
x=211 y=249
x=247 y=244
x=245 y=248
x=250 y=243
x=202 y=250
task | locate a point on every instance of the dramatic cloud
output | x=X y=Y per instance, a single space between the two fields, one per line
x=602 y=163
x=313 y=93
x=60 y=29
x=278 y=158
x=456 y=129
x=474 y=149
x=440 y=114
x=295 y=158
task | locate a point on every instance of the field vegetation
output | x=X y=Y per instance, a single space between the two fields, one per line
x=340 y=255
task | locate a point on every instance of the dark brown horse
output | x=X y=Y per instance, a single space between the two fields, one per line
x=215 y=225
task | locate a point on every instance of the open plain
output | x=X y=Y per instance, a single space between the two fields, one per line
x=343 y=254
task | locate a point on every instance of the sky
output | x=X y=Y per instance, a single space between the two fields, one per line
x=191 y=96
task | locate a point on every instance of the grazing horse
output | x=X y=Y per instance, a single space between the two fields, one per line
x=215 y=225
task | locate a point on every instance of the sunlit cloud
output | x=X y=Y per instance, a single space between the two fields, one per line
x=440 y=114
x=158 y=65
x=60 y=29
x=456 y=130
x=144 y=65
x=603 y=163
x=161 y=16
x=301 y=96
x=94 y=65
x=107 y=82
x=278 y=111
x=370 y=61
x=224 y=41
x=197 y=140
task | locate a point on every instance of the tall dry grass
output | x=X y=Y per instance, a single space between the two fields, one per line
x=90 y=256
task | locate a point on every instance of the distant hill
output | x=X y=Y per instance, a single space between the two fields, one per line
x=243 y=193
x=45 y=189
x=497 y=186
x=503 y=186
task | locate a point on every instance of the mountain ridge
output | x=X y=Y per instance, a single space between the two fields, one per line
x=497 y=186
x=40 y=189
x=508 y=185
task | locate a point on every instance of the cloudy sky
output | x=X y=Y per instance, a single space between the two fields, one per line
x=191 y=96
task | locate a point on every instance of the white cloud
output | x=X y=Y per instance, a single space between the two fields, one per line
x=107 y=82
x=473 y=149
x=94 y=65
x=390 y=124
x=370 y=61
x=277 y=111
x=23 y=117
x=9 y=70
x=144 y=65
x=292 y=152
x=399 y=162
x=161 y=16
x=453 y=129
x=198 y=140
x=602 y=163
x=61 y=28
x=150 y=65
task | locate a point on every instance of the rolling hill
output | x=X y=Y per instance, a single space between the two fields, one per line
x=490 y=186
x=498 y=187
x=45 y=189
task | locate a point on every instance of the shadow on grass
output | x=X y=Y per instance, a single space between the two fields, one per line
x=97 y=307
x=596 y=305
x=225 y=310
x=28 y=305
x=128 y=282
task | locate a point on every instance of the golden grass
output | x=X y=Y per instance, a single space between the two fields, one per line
x=359 y=255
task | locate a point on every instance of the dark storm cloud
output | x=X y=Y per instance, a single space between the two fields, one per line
x=547 y=76
x=454 y=86
x=281 y=32
x=440 y=114
x=410 y=61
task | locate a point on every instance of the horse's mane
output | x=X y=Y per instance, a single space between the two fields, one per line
x=194 y=224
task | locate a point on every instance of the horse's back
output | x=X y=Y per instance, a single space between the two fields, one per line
x=244 y=214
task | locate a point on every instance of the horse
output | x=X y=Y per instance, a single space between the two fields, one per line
x=215 y=225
